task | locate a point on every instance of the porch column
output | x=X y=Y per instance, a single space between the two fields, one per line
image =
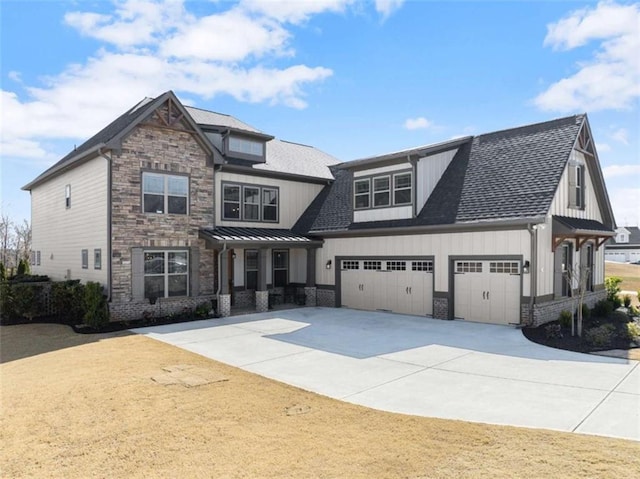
x=262 y=295
x=310 y=290
x=224 y=301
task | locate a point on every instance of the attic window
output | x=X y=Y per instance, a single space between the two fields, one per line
x=576 y=186
x=246 y=146
x=67 y=196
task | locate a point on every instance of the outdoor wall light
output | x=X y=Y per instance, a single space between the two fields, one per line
x=525 y=267
x=328 y=265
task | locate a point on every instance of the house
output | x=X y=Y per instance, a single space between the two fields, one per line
x=170 y=206
x=624 y=247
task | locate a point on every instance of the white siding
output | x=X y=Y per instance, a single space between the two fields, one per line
x=560 y=204
x=441 y=246
x=60 y=234
x=294 y=199
x=383 y=169
x=429 y=171
x=380 y=214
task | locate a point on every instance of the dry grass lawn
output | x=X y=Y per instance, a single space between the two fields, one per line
x=119 y=405
x=630 y=274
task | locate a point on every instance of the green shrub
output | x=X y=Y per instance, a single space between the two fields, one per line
x=553 y=331
x=586 y=311
x=3 y=272
x=202 y=310
x=565 y=318
x=95 y=302
x=601 y=336
x=612 y=285
x=603 y=308
x=7 y=306
x=22 y=268
x=631 y=331
x=626 y=300
x=67 y=300
x=27 y=300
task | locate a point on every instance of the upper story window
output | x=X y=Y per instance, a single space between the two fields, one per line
x=576 y=186
x=383 y=191
x=163 y=193
x=250 y=203
x=67 y=196
x=246 y=146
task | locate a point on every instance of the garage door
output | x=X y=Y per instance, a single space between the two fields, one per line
x=401 y=286
x=487 y=291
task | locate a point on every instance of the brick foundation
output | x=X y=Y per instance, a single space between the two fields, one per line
x=131 y=310
x=441 y=308
x=310 y=296
x=326 y=298
x=262 y=301
x=550 y=310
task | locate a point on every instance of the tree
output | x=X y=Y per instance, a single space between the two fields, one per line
x=22 y=241
x=577 y=275
x=6 y=229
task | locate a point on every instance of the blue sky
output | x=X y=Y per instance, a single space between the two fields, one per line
x=350 y=77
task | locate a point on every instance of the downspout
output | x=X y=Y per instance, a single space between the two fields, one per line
x=223 y=250
x=533 y=269
x=109 y=223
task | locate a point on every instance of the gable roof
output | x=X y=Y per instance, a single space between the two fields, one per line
x=508 y=175
x=634 y=237
x=110 y=136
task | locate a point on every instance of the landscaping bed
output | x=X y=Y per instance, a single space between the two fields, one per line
x=616 y=330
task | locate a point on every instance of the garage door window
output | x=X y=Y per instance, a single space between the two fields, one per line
x=372 y=265
x=504 y=267
x=426 y=266
x=348 y=264
x=468 y=267
x=396 y=265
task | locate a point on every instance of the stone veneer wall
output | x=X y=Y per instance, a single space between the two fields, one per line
x=550 y=310
x=441 y=308
x=325 y=297
x=152 y=147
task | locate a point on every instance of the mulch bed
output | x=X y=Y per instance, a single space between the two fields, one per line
x=580 y=344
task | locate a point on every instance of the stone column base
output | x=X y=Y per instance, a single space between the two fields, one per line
x=262 y=301
x=224 y=305
x=310 y=296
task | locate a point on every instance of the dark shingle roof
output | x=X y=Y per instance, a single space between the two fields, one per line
x=634 y=236
x=505 y=175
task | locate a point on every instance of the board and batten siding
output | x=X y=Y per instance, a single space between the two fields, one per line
x=429 y=171
x=295 y=197
x=438 y=245
x=560 y=207
x=60 y=233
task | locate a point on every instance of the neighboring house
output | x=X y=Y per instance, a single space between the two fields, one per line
x=170 y=206
x=624 y=247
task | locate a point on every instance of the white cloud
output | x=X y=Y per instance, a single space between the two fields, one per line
x=621 y=135
x=296 y=12
x=609 y=80
x=387 y=7
x=15 y=76
x=419 y=123
x=624 y=202
x=613 y=171
x=150 y=47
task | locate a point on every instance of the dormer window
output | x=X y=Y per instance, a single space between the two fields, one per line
x=246 y=146
x=241 y=146
x=383 y=191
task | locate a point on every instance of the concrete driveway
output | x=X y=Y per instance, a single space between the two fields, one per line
x=425 y=367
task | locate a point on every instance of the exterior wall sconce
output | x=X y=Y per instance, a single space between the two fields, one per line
x=328 y=265
x=233 y=256
x=525 y=267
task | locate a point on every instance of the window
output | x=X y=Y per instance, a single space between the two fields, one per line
x=166 y=274
x=361 y=193
x=97 y=259
x=576 y=186
x=386 y=191
x=372 y=265
x=67 y=196
x=251 y=203
x=402 y=189
x=251 y=269
x=256 y=203
x=38 y=258
x=246 y=146
x=165 y=193
x=426 y=266
x=504 y=267
x=468 y=267
x=396 y=265
x=85 y=258
x=231 y=202
x=32 y=258
x=589 y=264
x=381 y=191
x=350 y=264
x=280 y=268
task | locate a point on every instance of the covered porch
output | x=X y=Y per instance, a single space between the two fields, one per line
x=262 y=268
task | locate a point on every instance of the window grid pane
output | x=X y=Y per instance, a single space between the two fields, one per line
x=166 y=274
x=396 y=265
x=426 y=266
x=350 y=264
x=372 y=265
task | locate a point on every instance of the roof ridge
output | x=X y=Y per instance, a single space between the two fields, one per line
x=580 y=116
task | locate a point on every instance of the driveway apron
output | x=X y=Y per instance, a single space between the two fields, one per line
x=425 y=367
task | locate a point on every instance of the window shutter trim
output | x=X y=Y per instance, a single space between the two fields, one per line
x=137 y=274
x=194 y=271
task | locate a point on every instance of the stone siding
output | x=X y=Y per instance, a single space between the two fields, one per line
x=550 y=310
x=441 y=308
x=326 y=297
x=152 y=147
